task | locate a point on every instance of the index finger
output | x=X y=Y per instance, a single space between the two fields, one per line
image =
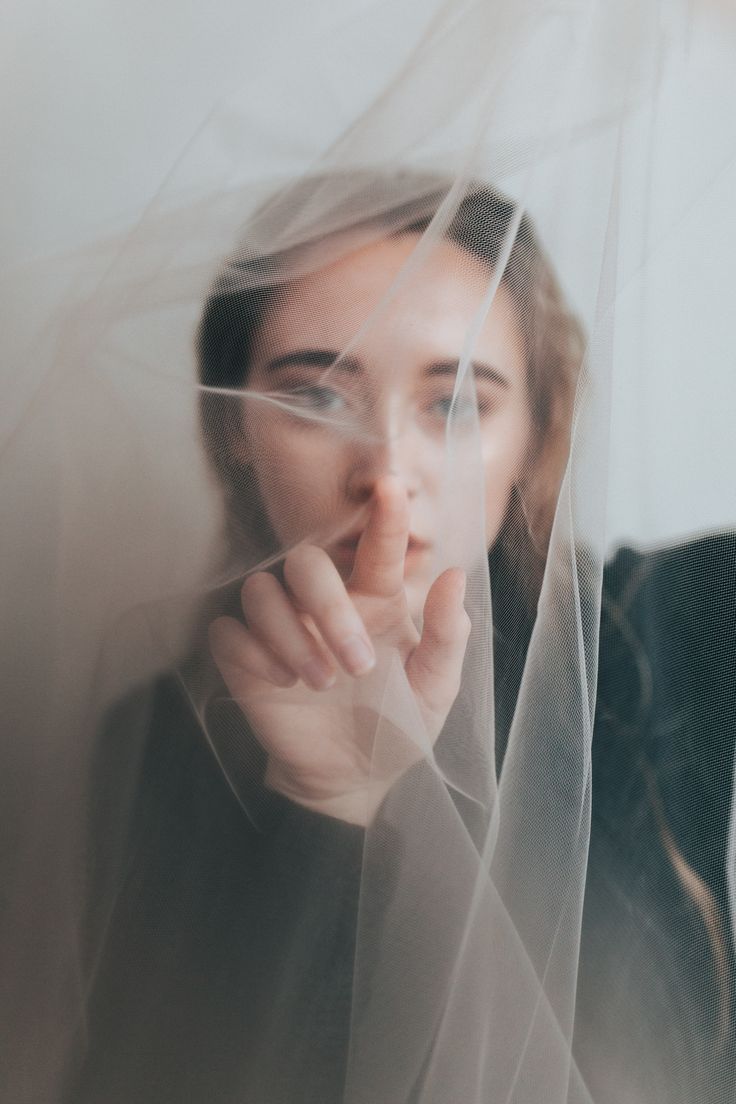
x=379 y=559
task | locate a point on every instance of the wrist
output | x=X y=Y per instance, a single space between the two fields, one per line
x=357 y=806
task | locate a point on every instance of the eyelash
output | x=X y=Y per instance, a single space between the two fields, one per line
x=313 y=396
x=485 y=407
x=313 y=392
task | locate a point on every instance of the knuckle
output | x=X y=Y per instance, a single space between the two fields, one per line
x=256 y=585
x=299 y=561
x=301 y=564
x=446 y=633
x=293 y=559
x=436 y=636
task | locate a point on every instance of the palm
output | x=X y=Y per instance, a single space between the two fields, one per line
x=339 y=750
x=328 y=740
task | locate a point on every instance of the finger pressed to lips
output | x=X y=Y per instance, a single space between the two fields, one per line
x=379 y=557
x=277 y=643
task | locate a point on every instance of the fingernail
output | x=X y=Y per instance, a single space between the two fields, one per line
x=318 y=675
x=357 y=655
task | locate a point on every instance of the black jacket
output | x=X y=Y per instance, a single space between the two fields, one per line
x=220 y=981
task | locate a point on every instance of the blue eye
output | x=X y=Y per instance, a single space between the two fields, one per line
x=463 y=408
x=324 y=399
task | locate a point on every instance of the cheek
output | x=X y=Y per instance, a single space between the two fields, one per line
x=296 y=472
x=504 y=449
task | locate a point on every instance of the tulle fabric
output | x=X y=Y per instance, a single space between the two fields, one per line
x=132 y=519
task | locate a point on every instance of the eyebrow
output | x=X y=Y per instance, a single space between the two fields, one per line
x=329 y=358
x=314 y=358
x=481 y=370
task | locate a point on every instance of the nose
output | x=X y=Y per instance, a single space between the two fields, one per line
x=396 y=454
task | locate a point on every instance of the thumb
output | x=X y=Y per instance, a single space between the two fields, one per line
x=435 y=666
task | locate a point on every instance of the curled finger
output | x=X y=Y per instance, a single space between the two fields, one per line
x=243 y=660
x=273 y=619
x=317 y=586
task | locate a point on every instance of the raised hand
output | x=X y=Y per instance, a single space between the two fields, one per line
x=292 y=666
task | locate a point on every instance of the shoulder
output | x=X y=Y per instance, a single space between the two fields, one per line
x=665 y=735
x=693 y=581
x=663 y=754
x=668 y=639
x=666 y=690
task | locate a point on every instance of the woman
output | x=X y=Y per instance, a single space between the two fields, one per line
x=299 y=344
x=366 y=390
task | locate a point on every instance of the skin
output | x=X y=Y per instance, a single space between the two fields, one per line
x=367 y=461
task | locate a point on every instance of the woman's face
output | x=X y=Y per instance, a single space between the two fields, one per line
x=391 y=382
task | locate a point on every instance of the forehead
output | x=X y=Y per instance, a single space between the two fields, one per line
x=389 y=289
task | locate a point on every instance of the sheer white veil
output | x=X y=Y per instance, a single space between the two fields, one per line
x=582 y=158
